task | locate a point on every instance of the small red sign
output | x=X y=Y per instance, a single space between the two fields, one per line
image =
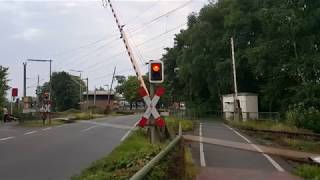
x=14 y=92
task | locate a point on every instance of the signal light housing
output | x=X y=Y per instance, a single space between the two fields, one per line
x=156 y=73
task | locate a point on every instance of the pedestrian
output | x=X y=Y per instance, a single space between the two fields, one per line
x=5 y=114
x=43 y=113
x=47 y=109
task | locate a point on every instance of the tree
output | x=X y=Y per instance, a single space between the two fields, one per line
x=277 y=54
x=3 y=86
x=129 y=88
x=65 y=90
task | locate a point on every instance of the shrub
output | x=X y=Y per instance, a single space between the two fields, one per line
x=311 y=172
x=302 y=117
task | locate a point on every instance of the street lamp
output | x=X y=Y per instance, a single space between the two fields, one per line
x=44 y=60
x=78 y=71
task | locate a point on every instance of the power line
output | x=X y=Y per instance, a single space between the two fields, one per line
x=159 y=17
x=89 y=53
x=135 y=31
x=140 y=14
x=113 y=56
x=81 y=47
x=110 y=57
x=159 y=35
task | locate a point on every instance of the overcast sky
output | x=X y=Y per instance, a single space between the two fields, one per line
x=82 y=35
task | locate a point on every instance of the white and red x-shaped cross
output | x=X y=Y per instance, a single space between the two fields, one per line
x=151 y=107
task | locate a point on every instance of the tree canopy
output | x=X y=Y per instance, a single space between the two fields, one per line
x=3 y=85
x=277 y=54
x=65 y=90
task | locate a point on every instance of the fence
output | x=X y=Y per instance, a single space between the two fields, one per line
x=194 y=114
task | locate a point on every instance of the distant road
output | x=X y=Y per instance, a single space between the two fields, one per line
x=59 y=152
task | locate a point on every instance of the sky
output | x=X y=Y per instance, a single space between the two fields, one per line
x=83 y=36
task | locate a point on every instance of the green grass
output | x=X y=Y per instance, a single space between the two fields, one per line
x=191 y=170
x=186 y=125
x=310 y=172
x=265 y=125
x=302 y=145
x=134 y=153
x=85 y=116
x=123 y=161
x=39 y=123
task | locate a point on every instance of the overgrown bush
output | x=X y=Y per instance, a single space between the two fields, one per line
x=311 y=172
x=301 y=117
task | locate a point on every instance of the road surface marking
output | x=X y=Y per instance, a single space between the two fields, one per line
x=3 y=139
x=46 y=129
x=129 y=132
x=202 y=160
x=119 y=126
x=31 y=132
x=89 y=128
x=273 y=162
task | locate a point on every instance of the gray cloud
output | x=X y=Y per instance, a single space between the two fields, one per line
x=53 y=29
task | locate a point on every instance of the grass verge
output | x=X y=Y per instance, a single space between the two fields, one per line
x=135 y=152
x=85 y=116
x=173 y=122
x=310 y=172
x=123 y=161
x=294 y=143
x=266 y=125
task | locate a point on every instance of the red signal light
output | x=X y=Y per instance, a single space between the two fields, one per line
x=14 y=92
x=156 y=67
x=156 y=71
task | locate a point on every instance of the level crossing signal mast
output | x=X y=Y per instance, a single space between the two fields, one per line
x=156 y=73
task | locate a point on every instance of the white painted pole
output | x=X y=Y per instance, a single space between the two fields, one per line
x=234 y=70
x=94 y=96
x=235 y=96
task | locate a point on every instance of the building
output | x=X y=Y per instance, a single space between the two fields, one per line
x=99 y=99
x=248 y=105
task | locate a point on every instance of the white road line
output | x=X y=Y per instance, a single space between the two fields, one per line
x=273 y=162
x=3 y=139
x=31 y=132
x=89 y=128
x=119 y=126
x=129 y=132
x=46 y=129
x=202 y=159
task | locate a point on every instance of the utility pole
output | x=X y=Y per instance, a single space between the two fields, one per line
x=87 y=94
x=114 y=71
x=38 y=91
x=38 y=80
x=235 y=95
x=50 y=85
x=50 y=74
x=94 y=96
x=80 y=86
x=80 y=89
x=24 y=79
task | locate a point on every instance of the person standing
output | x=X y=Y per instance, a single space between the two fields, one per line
x=5 y=114
x=47 y=109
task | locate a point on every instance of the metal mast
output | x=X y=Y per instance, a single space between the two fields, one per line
x=128 y=48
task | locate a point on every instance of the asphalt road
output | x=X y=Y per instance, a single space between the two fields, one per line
x=59 y=152
x=219 y=162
